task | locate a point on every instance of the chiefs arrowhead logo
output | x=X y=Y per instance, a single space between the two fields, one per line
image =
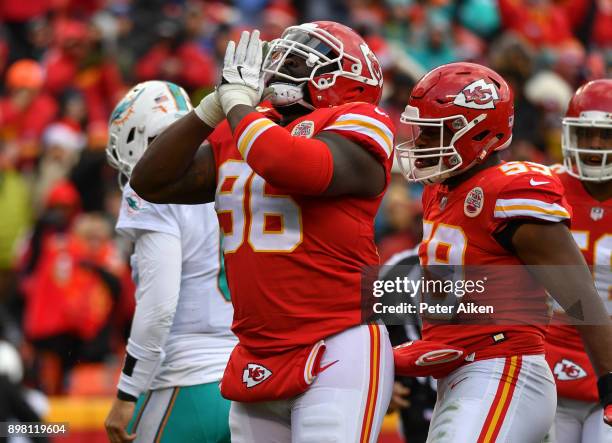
x=568 y=370
x=254 y=374
x=477 y=95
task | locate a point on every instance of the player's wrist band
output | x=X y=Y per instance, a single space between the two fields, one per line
x=124 y=396
x=604 y=387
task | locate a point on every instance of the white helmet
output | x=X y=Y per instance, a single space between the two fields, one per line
x=142 y=114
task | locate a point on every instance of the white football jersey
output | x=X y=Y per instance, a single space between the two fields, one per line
x=200 y=340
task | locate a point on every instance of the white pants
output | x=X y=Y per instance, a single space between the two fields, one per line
x=345 y=404
x=510 y=400
x=579 y=422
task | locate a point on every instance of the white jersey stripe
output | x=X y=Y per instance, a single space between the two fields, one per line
x=366 y=119
x=368 y=126
x=524 y=207
x=375 y=136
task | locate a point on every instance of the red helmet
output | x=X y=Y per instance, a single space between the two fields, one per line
x=467 y=109
x=587 y=132
x=339 y=58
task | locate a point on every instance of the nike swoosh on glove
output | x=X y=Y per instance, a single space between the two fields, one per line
x=242 y=82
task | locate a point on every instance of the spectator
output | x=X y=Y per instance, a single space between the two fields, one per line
x=15 y=16
x=70 y=294
x=541 y=22
x=25 y=110
x=177 y=59
x=15 y=207
x=63 y=141
x=76 y=61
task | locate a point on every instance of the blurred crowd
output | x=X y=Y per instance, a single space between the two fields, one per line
x=64 y=276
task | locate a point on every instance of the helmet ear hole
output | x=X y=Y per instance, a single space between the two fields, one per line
x=496 y=82
x=130 y=136
x=481 y=135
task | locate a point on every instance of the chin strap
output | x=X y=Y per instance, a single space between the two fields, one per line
x=287 y=94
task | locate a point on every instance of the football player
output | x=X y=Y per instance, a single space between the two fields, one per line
x=587 y=178
x=296 y=189
x=479 y=210
x=180 y=339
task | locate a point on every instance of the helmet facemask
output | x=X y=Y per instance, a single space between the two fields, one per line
x=135 y=144
x=428 y=155
x=322 y=52
x=587 y=146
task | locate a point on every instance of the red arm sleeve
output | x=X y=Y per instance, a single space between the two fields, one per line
x=296 y=164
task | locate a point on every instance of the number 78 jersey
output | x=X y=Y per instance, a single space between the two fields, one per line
x=461 y=227
x=294 y=262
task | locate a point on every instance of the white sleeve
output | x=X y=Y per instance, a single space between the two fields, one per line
x=159 y=261
x=137 y=214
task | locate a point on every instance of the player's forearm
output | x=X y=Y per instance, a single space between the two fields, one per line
x=237 y=113
x=559 y=266
x=158 y=174
x=598 y=343
x=159 y=275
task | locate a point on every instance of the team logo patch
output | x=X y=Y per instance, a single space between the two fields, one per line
x=597 y=213
x=304 y=129
x=568 y=370
x=474 y=202
x=124 y=109
x=477 y=95
x=134 y=203
x=254 y=374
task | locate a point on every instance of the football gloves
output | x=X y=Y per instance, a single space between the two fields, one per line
x=242 y=82
x=209 y=110
x=423 y=358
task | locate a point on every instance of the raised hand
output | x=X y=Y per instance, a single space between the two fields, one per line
x=242 y=80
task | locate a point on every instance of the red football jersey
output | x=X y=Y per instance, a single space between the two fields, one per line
x=294 y=262
x=592 y=231
x=459 y=228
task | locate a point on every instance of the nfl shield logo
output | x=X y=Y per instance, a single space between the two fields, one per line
x=474 y=201
x=597 y=213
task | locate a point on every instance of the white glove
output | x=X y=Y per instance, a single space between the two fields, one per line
x=209 y=110
x=242 y=80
